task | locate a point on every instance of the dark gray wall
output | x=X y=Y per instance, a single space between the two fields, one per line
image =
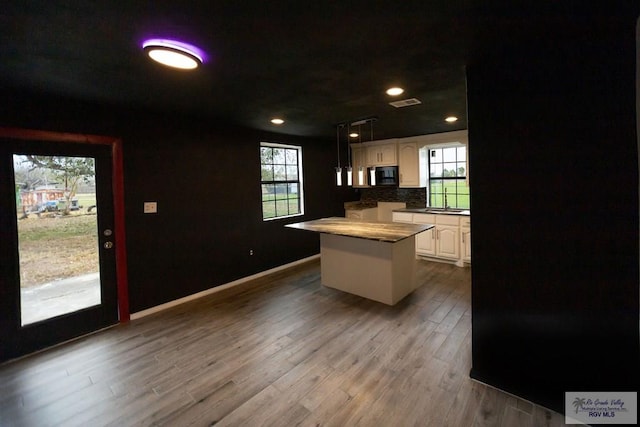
x=554 y=155
x=205 y=177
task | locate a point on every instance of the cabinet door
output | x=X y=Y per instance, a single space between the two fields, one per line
x=447 y=242
x=408 y=164
x=382 y=155
x=465 y=235
x=425 y=242
x=388 y=155
x=374 y=156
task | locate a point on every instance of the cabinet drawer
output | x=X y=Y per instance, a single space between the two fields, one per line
x=465 y=221
x=403 y=217
x=447 y=220
x=424 y=219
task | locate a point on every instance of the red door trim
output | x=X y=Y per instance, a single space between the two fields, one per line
x=118 y=196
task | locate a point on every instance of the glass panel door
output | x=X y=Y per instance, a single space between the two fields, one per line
x=57 y=243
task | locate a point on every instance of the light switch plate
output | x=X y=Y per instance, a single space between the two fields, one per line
x=150 y=207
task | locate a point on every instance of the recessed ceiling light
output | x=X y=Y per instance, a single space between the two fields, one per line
x=354 y=135
x=451 y=119
x=173 y=53
x=277 y=121
x=395 y=91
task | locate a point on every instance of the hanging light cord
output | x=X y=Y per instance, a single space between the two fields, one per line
x=348 y=148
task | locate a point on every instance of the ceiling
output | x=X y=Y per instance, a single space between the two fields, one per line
x=314 y=64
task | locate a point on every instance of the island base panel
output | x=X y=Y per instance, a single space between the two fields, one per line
x=380 y=271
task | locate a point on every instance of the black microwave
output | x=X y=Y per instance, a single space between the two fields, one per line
x=385 y=176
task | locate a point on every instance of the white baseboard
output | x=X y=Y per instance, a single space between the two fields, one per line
x=157 y=308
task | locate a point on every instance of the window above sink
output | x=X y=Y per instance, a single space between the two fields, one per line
x=448 y=187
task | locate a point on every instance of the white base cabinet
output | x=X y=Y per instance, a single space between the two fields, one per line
x=425 y=241
x=449 y=240
x=448 y=237
x=465 y=237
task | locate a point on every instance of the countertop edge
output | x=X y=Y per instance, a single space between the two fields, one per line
x=422 y=211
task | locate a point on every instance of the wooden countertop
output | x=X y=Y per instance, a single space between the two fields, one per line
x=371 y=230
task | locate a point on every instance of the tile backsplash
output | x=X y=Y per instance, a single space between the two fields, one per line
x=413 y=197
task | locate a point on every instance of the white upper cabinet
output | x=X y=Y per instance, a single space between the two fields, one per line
x=383 y=154
x=412 y=164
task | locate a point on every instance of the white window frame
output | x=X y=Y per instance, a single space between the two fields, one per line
x=299 y=181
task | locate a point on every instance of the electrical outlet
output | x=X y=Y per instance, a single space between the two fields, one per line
x=250 y=251
x=150 y=207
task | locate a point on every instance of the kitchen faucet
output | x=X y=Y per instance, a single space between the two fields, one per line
x=446 y=205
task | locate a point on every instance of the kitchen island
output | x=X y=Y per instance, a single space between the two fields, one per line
x=375 y=260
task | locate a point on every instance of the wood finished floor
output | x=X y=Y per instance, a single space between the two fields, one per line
x=281 y=350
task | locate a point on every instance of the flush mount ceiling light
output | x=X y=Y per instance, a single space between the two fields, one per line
x=173 y=53
x=451 y=119
x=277 y=121
x=395 y=91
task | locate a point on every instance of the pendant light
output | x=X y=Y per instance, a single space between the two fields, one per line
x=360 y=168
x=349 y=168
x=372 y=171
x=338 y=168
